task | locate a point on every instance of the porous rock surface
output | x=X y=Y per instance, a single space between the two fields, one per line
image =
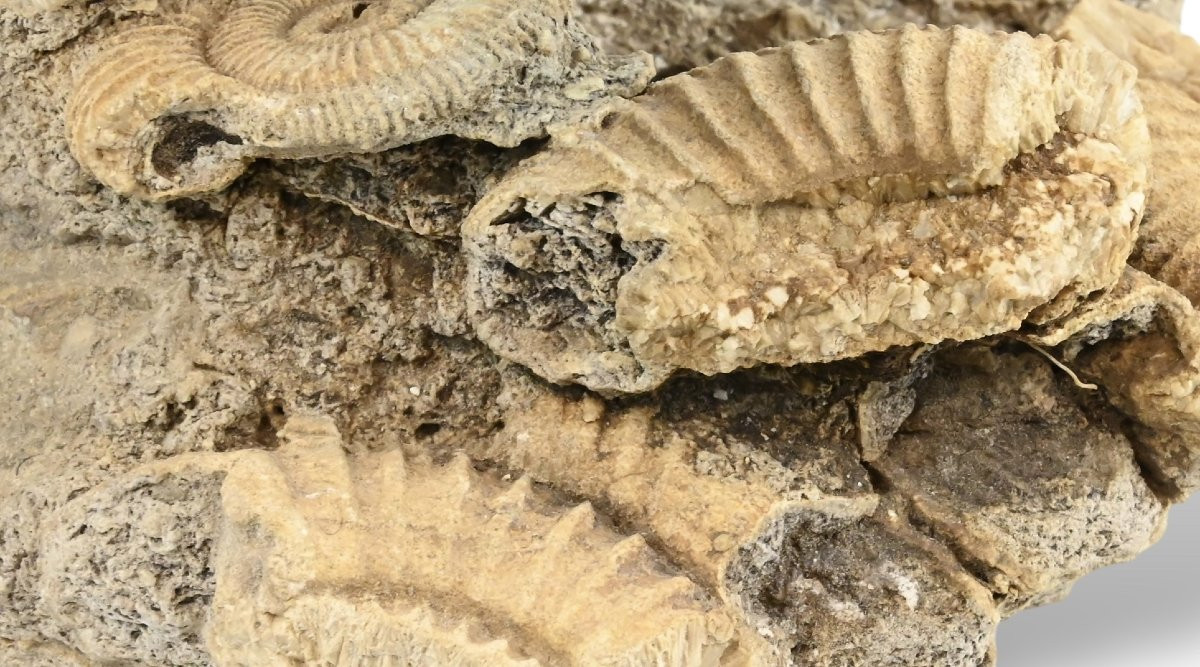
x=177 y=107
x=258 y=425
x=812 y=203
x=691 y=33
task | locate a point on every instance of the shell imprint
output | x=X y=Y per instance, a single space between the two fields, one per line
x=382 y=560
x=815 y=202
x=177 y=109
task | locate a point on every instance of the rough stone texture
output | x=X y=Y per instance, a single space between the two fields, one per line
x=1169 y=84
x=1030 y=469
x=256 y=427
x=1142 y=340
x=179 y=107
x=691 y=33
x=812 y=203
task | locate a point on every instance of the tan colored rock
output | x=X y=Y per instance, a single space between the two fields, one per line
x=165 y=485
x=1169 y=84
x=28 y=7
x=330 y=560
x=179 y=108
x=127 y=567
x=997 y=429
x=814 y=203
x=1153 y=45
x=40 y=654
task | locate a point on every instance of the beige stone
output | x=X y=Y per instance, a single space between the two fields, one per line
x=1169 y=84
x=179 y=107
x=692 y=33
x=814 y=203
x=254 y=426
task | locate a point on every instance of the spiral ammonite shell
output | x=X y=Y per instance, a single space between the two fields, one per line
x=178 y=108
x=815 y=202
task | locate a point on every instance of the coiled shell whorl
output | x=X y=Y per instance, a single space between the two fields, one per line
x=815 y=202
x=177 y=109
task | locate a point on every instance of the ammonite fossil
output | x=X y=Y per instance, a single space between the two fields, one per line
x=179 y=108
x=815 y=202
x=1168 y=66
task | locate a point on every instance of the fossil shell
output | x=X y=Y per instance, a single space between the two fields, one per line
x=811 y=203
x=179 y=108
x=682 y=34
x=591 y=451
x=33 y=7
x=330 y=559
x=731 y=512
x=1169 y=84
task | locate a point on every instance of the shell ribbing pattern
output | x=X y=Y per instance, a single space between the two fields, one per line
x=814 y=149
x=177 y=109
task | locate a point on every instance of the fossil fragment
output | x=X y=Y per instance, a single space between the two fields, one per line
x=1169 y=85
x=179 y=108
x=682 y=34
x=748 y=485
x=811 y=203
x=419 y=561
x=672 y=467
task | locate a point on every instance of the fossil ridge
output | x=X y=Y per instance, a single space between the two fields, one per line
x=813 y=203
x=255 y=426
x=1169 y=84
x=178 y=108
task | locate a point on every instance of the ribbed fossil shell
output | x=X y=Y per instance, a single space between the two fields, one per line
x=179 y=108
x=32 y=7
x=702 y=519
x=729 y=512
x=1169 y=84
x=329 y=560
x=815 y=202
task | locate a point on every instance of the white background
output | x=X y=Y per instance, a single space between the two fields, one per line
x=1140 y=614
